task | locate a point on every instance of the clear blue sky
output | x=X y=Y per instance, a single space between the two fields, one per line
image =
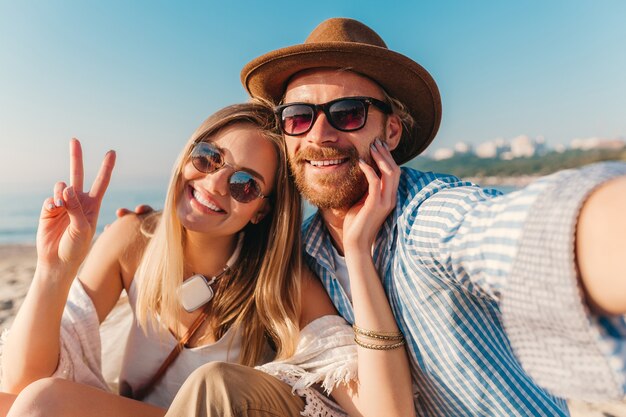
x=138 y=77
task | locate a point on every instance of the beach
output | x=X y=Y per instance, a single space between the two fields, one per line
x=17 y=264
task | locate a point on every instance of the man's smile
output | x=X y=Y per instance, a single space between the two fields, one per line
x=327 y=162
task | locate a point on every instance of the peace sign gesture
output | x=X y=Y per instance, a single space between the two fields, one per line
x=68 y=220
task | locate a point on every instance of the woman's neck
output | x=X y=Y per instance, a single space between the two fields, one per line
x=207 y=255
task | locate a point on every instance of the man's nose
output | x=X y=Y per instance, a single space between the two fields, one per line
x=322 y=132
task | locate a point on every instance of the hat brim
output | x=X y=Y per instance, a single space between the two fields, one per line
x=267 y=77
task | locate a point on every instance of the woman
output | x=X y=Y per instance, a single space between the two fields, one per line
x=229 y=231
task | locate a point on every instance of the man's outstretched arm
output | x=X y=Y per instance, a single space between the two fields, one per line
x=601 y=247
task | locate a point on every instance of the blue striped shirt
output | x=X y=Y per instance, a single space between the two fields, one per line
x=453 y=261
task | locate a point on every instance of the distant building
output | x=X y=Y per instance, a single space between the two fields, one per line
x=493 y=148
x=462 y=148
x=596 y=143
x=524 y=146
x=443 y=153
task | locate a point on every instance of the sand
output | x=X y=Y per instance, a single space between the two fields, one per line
x=17 y=264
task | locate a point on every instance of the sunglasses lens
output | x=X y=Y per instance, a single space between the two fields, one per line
x=296 y=119
x=206 y=158
x=347 y=114
x=243 y=187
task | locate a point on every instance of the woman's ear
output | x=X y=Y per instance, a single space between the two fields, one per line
x=394 y=131
x=262 y=212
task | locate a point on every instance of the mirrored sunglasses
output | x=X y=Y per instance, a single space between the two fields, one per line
x=208 y=158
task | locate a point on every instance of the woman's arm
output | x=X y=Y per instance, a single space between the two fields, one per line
x=112 y=262
x=66 y=227
x=315 y=300
x=384 y=385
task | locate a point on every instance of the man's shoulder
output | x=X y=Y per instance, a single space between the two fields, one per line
x=419 y=189
x=414 y=181
x=312 y=229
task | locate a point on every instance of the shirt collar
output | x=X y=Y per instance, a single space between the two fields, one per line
x=318 y=244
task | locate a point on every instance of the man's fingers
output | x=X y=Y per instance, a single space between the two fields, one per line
x=139 y=210
x=76 y=166
x=143 y=209
x=103 y=178
x=121 y=212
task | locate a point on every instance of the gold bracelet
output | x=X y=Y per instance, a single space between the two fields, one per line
x=378 y=347
x=378 y=335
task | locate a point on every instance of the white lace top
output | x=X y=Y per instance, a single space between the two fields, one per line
x=325 y=354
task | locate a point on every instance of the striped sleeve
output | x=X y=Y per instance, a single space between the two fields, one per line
x=518 y=249
x=468 y=234
x=564 y=347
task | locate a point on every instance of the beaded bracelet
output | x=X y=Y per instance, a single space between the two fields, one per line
x=378 y=335
x=378 y=347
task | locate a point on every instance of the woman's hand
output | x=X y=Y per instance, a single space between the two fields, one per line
x=364 y=219
x=68 y=220
x=384 y=386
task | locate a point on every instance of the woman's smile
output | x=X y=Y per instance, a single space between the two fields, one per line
x=203 y=202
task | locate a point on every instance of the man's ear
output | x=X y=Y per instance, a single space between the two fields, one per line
x=261 y=212
x=394 y=131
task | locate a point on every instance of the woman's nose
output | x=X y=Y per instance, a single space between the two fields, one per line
x=217 y=181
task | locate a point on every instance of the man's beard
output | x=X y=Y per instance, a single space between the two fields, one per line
x=335 y=190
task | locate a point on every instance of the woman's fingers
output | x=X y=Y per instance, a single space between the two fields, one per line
x=48 y=207
x=76 y=165
x=103 y=178
x=78 y=220
x=384 y=159
x=389 y=170
x=58 y=193
x=372 y=179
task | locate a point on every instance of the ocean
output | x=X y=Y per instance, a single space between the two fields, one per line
x=19 y=210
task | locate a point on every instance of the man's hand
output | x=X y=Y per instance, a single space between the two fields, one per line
x=139 y=210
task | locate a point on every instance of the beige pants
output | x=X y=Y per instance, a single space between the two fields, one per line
x=227 y=390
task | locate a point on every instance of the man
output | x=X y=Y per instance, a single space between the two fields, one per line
x=497 y=296
x=504 y=300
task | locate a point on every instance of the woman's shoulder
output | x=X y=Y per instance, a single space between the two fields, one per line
x=315 y=301
x=126 y=231
x=127 y=237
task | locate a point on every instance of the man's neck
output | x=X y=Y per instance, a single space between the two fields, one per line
x=333 y=219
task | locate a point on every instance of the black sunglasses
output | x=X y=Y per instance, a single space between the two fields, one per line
x=346 y=114
x=243 y=186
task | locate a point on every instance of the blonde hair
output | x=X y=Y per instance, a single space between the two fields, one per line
x=261 y=295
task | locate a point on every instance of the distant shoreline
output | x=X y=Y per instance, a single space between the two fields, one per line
x=491 y=181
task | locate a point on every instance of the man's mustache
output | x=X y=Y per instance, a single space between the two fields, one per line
x=310 y=154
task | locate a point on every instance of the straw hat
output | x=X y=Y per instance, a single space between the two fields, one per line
x=347 y=43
